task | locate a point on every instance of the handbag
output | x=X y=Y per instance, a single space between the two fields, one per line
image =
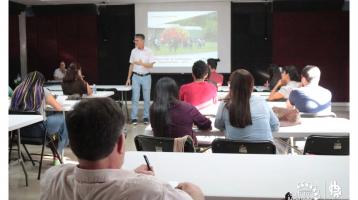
x=287 y=116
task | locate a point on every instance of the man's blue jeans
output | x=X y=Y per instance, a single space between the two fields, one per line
x=137 y=82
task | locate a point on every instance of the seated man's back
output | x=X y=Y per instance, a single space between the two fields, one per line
x=95 y=129
x=76 y=183
x=311 y=99
x=198 y=94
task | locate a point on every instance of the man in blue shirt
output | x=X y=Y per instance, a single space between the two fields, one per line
x=311 y=98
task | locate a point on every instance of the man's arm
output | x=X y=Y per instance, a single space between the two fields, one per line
x=130 y=71
x=193 y=190
x=146 y=65
x=274 y=93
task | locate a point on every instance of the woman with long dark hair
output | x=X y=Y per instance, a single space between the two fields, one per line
x=243 y=116
x=30 y=95
x=213 y=75
x=73 y=82
x=170 y=117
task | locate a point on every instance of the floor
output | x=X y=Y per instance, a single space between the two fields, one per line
x=17 y=189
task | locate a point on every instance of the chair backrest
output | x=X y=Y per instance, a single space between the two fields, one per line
x=312 y=115
x=327 y=145
x=160 y=144
x=13 y=112
x=220 y=145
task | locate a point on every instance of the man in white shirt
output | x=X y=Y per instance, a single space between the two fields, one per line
x=141 y=63
x=60 y=71
x=96 y=135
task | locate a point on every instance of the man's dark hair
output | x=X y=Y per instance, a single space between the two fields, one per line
x=292 y=72
x=213 y=63
x=200 y=69
x=94 y=126
x=72 y=72
x=140 y=35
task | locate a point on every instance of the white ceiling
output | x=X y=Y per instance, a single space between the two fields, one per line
x=116 y=2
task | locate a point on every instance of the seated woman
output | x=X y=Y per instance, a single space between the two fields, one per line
x=214 y=76
x=289 y=81
x=170 y=117
x=73 y=82
x=243 y=116
x=30 y=95
x=274 y=75
x=199 y=93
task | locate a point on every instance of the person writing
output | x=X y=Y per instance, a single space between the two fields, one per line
x=170 y=117
x=31 y=95
x=96 y=137
x=73 y=82
x=141 y=63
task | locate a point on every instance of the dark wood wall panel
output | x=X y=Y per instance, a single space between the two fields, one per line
x=63 y=37
x=320 y=38
x=14 y=48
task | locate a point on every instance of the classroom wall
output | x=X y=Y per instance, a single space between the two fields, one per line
x=14 y=42
x=51 y=39
x=283 y=32
x=319 y=38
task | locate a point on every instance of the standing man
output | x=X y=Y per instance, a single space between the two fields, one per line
x=141 y=64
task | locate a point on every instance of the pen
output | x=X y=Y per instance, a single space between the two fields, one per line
x=147 y=161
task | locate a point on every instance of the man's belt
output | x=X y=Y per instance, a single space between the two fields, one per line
x=138 y=74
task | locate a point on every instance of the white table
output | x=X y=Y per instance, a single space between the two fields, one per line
x=212 y=110
x=120 y=88
x=98 y=94
x=54 y=87
x=258 y=88
x=124 y=89
x=238 y=176
x=316 y=126
x=309 y=126
x=19 y=121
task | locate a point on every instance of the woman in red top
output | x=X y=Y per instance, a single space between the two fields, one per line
x=199 y=93
x=214 y=76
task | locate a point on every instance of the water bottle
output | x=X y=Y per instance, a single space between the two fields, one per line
x=94 y=89
x=17 y=81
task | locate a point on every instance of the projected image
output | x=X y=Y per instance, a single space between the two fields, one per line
x=180 y=38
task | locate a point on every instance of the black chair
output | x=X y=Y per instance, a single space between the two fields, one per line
x=220 y=145
x=42 y=139
x=327 y=145
x=160 y=144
